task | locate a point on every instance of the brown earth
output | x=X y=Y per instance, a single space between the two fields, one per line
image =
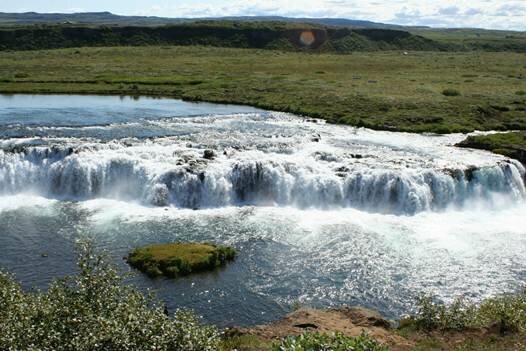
x=353 y=321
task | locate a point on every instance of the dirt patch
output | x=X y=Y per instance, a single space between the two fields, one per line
x=353 y=321
x=350 y=321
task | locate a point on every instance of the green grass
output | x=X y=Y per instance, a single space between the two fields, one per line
x=381 y=90
x=334 y=342
x=177 y=259
x=508 y=144
x=245 y=343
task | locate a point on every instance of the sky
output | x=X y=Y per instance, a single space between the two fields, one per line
x=494 y=14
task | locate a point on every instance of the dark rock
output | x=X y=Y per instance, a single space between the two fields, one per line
x=306 y=326
x=209 y=154
x=469 y=173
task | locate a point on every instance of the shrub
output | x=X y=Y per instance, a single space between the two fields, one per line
x=93 y=310
x=450 y=92
x=507 y=312
x=432 y=315
x=325 y=342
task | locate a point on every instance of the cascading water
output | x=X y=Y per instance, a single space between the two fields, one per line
x=320 y=213
x=305 y=174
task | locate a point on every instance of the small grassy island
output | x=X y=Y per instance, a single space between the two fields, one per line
x=179 y=259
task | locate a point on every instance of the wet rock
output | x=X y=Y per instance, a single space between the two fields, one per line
x=468 y=173
x=209 y=154
x=316 y=138
x=325 y=156
x=342 y=171
x=160 y=195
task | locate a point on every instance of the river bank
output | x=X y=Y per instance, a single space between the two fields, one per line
x=356 y=321
x=508 y=144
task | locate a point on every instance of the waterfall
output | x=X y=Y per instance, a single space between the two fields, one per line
x=157 y=176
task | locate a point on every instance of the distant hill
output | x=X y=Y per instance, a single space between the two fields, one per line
x=96 y=18
x=261 y=35
x=23 y=31
x=107 y=18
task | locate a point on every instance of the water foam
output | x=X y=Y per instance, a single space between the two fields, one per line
x=279 y=161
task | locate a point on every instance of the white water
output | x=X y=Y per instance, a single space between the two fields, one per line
x=277 y=160
x=324 y=214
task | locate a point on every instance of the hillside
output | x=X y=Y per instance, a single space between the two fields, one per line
x=260 y=35
x=451 y=39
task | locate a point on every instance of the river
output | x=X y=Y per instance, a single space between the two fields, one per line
x=321 y=214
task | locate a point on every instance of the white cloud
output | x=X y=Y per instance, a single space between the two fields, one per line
x=498 y=14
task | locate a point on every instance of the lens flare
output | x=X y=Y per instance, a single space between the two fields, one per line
x=307 y=38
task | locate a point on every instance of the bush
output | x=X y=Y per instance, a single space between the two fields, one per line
x=324 y=342
x=450 y=92
x=507 y=312
x=94 y=311
x=432 y=315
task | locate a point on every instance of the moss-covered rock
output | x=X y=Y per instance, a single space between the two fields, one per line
x=179 y=259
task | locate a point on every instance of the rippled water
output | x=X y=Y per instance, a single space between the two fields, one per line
x=321 y=214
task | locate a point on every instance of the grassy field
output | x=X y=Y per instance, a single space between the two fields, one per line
x=381 y=90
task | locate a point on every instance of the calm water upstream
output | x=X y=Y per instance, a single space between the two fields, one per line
x=321 y=214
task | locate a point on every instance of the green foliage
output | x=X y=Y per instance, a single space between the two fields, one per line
x=93 y=310
x=432 y=315
x=507 y=312
x=325 y=342
x=178 y=259
x=508 y=144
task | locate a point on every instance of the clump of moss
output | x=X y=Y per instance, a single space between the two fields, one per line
x=179 y=259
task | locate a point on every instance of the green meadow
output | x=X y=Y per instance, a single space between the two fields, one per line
x=389 y=90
